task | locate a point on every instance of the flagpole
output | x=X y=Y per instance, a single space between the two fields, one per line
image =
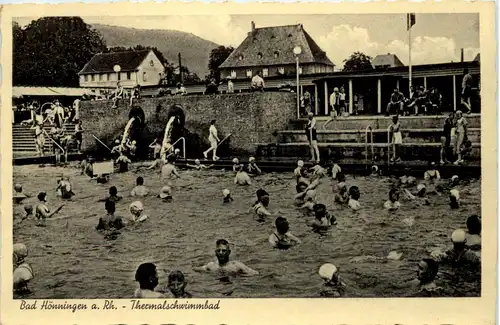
x=408 y=22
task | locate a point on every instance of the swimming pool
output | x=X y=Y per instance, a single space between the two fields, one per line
x=72 y=260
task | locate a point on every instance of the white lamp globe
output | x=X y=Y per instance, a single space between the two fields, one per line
x=297 y=50
x=117 y=68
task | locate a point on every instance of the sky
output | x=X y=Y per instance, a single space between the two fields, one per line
x=436 y=38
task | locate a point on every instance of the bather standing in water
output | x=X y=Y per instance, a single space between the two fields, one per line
x=177 y=285
x=333 y=286
x=113 y=195
x=282 y=238
x=242 y=177
x=252 y=167
x=147 y=277
x=23 y=272
x=168 y=171
x=223 y=264
x=322 y=220
x=42 y=211
x=110 y=221
x=198 y=166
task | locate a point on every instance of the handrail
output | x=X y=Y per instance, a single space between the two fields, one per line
x=183 y=146
x=369 y=127
x=389 y=142
x=100 y=142
x=57 y=144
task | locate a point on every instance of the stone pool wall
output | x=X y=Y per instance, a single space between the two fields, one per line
x=250 y=118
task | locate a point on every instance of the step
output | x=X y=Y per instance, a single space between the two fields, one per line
x=383 y=122
x=407 y=151
x=379 y=135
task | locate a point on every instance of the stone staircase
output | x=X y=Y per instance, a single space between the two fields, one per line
x=23 y=141
x=346 y=137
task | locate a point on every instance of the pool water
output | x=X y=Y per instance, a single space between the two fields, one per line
x=72 y=260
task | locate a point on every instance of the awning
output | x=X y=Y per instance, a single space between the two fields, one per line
x=50 y=91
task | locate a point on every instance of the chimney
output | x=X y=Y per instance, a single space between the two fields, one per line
x=461 y=55
x=253 y=26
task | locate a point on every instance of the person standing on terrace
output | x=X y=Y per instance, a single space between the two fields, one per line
x=342 y=100
x=257 y=82
x=335 y=102
x=312 y=137
x=466 y=90
x=461 y=135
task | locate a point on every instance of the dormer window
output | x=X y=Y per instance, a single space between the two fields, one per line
x=276 y=54
x=240 y=57
x=259 y=55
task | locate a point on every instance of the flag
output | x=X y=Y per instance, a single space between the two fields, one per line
x=410 y=21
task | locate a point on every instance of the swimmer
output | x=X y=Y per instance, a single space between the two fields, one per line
x=227 y=196
x=132 y=147
x=168 y=171
x=23 y=272
x=426 y=275
x=459 y=255
x=310 y=201
x=42 y=211
x=333 y=285
x=19 y=196
x=174 y=155
x=393 y=203
x=454 y=199
x=156 y=147
x=375 y=171
x=432 y=174
x=252 y=167
x=102 y=179
x=223 y=264
x=137 y=210
x=354 y=196
x=177 y=285
x=318 y=171
x=166 y=194
x=282 y=238
x=64 y=188
x=87 y=167
x=198 y=166
x=110 y=221
x=260 y=207
x=342 y=196
x=147 y=277
x=113 y=195
x=322 y=220
x=297 y=171
x=242 y=177
x=28 y=208
x=473 y=235
x=420 y=193
x=336 y=170
x=139 y=189
x=236 y=165
x=299 y=198
x=123 y=161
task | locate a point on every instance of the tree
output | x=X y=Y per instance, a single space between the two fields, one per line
x=217 y=56
x=51 y=51
x=358 y=61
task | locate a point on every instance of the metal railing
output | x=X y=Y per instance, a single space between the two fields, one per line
x=368 y=128
x=54 y=141
x=100 y=142
x=183 y=146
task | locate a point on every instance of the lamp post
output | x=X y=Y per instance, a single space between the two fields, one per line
x=297 y=50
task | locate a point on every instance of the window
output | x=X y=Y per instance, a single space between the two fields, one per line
x=233 y=73
x=249 y=73
x=259 y=55
x=281 y=70
x=151 y=63
x=144 y=76
x=86 y=77
x=93 y=77
x=105 y=77
x=100 y=77
x=128 y=75
x=276 y=54
x=265 y=72
x=240 y=57
x=108 y=77
x=119 y=76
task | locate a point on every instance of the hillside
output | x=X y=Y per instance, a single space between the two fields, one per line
x=195 y=50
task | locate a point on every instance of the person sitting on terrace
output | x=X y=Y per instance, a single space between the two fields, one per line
x=396 y=105
x=435 y=101
x=257 y=83
x=421 y=100
x=410 y=101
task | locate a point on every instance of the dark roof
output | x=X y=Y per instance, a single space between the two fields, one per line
x=389 y=59
x=478 y=57
x=281 y=40
x=104 y=62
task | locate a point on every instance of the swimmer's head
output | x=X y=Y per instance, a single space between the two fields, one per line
x=251 y=159
x=113 y=191
x=458 y=239
x=133 y=142
x=282 y=225
x=403 y=180
x=342 y=187
x=20 y=252
x=474 y=224
x=18 y=188
x=328 y=272
x=374 y=169
x=335 y=89
x=421 y=190
x=304 y=172
x=354 y=193
x=110 y=206
x=139 y=181
x=226 y=193
x=236 y=161
x=177 y=151
x=197 y=162
x=427 y=270
x=411 y=180
x=42 y=197
x=310 y=195
x=263 y=196
x=394 y=195
x=319 y=210
x=147 y=276
x=222 y=250
x=177 y=283
x=28 y=208
x=136 y=208
x=300 y=163
x=310 y=115
x=117 y=141
x=165 y=192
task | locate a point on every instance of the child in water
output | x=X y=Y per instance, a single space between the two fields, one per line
x=42 y=212
x=198 y=166
x=227 y=196
x=322 y=220
x=139 y=189
x=23 y=272
x=123 y=161
x=342 y=196
x=333 y=286
x=354 y=196
x=298 y=171
x=282 y=238
x=177 y=285
x=252 y=167
x=393 y=203
x=236 y=165
x=64 y=188
x=137 y=210
x=260 y=207
x=166 y=194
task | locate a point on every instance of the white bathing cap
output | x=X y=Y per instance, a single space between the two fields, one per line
x=177 y=150
x=235 y=161
x=136 y=207
x=454 y=178
x=300 y=163
x=411 y=180
x=327 y=271
x=374 y=168
x=403 y=179
x=251 y=159
x=335 y=89
x=165 y=191
x=420 y=187
x=20 y=250
x=455 y=194
x=18 y=187
x=196 y=161
x=458 y=236
x=225 y=192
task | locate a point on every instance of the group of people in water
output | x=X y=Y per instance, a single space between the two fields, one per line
x=464 y=253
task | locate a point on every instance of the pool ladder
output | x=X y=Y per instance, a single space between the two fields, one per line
x=183 y=146
x=368 y=129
